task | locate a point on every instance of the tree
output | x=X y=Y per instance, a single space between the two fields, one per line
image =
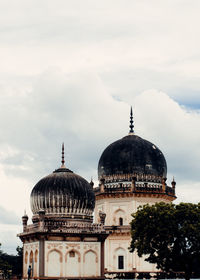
x=10 y=264
x=169 y=236
x=5 y=267
x=18 y=261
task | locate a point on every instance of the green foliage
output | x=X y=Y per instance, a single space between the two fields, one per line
x=169 y=236
x=10 y=264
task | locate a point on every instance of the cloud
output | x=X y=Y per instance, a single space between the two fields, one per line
x=132 y=47
x=8 y=217
x=71 y=75
x=8 y=238
x=79 y=110
x=14 y=196
x=74 y=109
x=174 y=128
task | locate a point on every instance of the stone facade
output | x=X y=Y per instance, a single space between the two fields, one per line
x=76 y=250
x=118 y=197
x=63 y=242
x=72 y=259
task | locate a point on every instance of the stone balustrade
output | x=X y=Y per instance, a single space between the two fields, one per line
x=136 y=187
x=63 y=226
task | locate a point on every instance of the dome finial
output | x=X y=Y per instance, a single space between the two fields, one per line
x=63 y=156
x=131 y=122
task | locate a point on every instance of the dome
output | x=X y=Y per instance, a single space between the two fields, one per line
x=63 y=193
x=132 y=154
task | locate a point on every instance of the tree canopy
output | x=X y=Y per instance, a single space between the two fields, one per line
x=10 y=264
x=168 y=235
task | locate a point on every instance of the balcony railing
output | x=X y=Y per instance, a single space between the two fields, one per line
x=138 y=187
x=63 y=226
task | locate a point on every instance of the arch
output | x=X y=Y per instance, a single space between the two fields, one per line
x=120 y=258
x=36 y=255
x=90 y=250
x=35 y=268
x=119 y=210
x=25 y=268
x=31 y=257
x=56 y=250
x=90 y=263
x=119 y=217
x=54 y=263
x=73 y=263
x=26 y=257
x=120 y=249
x=76 y=252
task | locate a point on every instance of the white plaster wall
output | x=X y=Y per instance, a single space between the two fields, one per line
x=86 y=261
x=114 y=247
x=114 y=209
x=54 y=264
x=118 y=245
x=90 y=264
x=142 y=265
x=123 y=207
x=72 y=265
x=127 y=205
x=31 y=251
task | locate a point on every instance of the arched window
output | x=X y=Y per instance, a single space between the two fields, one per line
x=119 y=217
x=120 y=262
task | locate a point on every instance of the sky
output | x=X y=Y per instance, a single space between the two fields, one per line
x=69 y=72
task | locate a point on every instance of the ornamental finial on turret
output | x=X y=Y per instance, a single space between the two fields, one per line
x=131 y=122
x=173 y=183
x=63 y=156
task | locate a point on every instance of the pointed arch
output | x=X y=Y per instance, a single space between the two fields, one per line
x=56 y=250
x=90 y=263
x=26 y=257
x=120 y=258
x=36 y=255
x=73 y=263
x=120 y=249
x=76 y=252
x=119 y=217
x=119 y=211
x=31 y=257
x=54 y=263
x=92 y=251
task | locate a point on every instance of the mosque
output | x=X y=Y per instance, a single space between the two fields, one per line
x=63 y=242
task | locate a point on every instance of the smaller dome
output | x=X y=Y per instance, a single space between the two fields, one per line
x=63 y=194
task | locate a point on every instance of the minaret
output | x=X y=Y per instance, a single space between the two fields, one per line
x=24 y=220
x=131 y=132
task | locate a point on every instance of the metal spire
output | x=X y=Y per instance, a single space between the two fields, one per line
x=131 y=122
x=63 y=156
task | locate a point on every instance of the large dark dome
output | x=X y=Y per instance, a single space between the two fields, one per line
x=132 y=154
x=63 y=193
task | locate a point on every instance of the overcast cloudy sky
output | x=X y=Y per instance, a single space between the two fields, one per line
x=69 y=71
